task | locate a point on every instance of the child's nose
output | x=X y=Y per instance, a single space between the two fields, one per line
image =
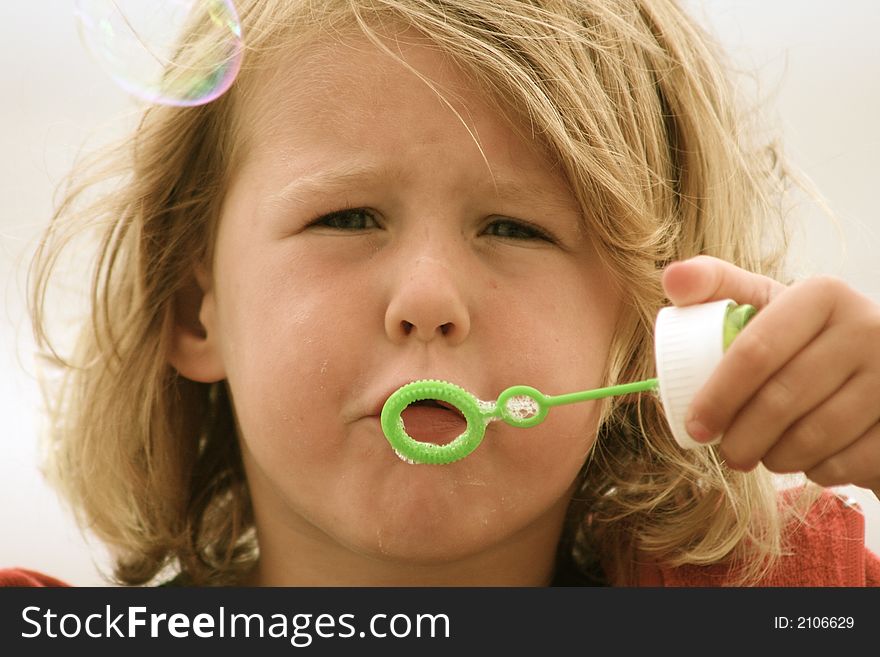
x=428 y=304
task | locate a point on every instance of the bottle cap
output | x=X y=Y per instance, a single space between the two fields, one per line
x=688 y=345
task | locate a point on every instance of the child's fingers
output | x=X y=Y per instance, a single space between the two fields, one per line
x=828 y=429
x=810 y=378
x=705 y=278
x=858 y=464
x=771 y=339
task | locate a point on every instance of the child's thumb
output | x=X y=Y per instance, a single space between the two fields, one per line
x=704 y=278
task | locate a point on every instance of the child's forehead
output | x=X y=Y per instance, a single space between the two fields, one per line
x=326 y=67
x=310 y=113
x=319 y=92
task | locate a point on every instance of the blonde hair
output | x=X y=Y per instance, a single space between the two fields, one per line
x=631 y=100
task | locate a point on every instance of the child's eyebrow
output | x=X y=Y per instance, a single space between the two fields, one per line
x=333 y=180
x=343 y=177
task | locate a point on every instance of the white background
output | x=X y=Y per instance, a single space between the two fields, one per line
x=817 y=66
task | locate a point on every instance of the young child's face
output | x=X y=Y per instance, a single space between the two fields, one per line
x=362 y=246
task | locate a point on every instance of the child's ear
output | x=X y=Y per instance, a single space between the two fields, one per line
x=194 y=350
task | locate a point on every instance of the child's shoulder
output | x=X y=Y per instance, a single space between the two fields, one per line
x=25 y=577
x=826 y=549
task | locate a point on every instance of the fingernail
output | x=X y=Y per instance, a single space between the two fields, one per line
x=699 y=431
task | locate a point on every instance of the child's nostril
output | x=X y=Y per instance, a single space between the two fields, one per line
x=446 y=328
x=407 y=327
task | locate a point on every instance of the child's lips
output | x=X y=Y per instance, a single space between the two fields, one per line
x=433 y=424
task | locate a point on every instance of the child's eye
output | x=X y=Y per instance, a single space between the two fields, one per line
x=516 y=230
x=352 y=219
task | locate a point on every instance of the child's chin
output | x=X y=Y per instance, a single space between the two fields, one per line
x=416 y=547
x=426 y=537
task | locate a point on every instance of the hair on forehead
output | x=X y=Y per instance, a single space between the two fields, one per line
x=582 y=80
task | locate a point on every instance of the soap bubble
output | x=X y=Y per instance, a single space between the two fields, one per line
x=141 y=45
x=522 y=407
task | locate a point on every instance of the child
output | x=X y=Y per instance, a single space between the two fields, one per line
x=490 y=193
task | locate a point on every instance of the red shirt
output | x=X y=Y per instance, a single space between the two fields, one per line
x=826 y=550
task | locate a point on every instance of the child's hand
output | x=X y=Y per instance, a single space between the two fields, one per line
x=799 y=388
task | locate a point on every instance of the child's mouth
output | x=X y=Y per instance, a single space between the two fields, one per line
x=431 y=421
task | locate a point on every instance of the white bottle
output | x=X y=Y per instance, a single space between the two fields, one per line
x=689 y=342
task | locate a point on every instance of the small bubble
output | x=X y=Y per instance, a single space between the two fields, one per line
x=522 y=407
x=487 y=409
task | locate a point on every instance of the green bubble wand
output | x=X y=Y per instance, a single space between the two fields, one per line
x=681 y=365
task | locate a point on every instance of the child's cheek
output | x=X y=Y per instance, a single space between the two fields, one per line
x=281 y=354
